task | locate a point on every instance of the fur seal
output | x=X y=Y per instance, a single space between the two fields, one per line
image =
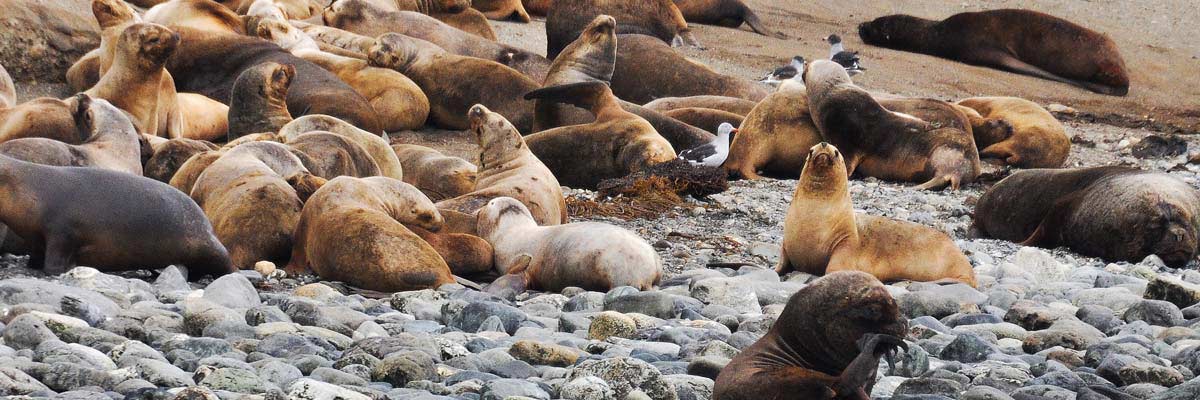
x=112 y=142
x=352 y=231
x=465 y=254
x=727 y=13
x=589 y=255
x=46 y=117
x=1115 y=213
x=502 y=10
x=209 y=63
x=640 y=78
x=728 y=104
x=331 y=155
x=537 y=7
x=105 y=219
x=470 y=21
x=170 y=156
x=657 y=18
x=775 y=136
x=507 y=168
x=825 y=345
x=205 y=15
x=618 y=143
x=8 y=91
x=363 y=18
x=291 y=9
x=870 y=135
x=375 y=145
x=453 y=82
x=113 y=16
x=185 y=177
x=259 y=102
x=842 y=239
x=705 y=118
x=253 y=195
x=1045 y=46
x=1036 y=139
x=438 y=176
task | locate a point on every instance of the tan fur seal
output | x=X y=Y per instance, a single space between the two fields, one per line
x=705 y=118
x=333 y=155
x=618 y=143
x=502 y=10
x=253 y=195
x=589 y=255
x=352 y=231
x=291 y=9
x=640 y=78
x=657 y=18
x=105 y=219
x=465 y=254
x=113 y=16
x=775 y=136
x=259 y=103
x=1045 y=46
x=185 y=177
x=885 y=144
x=8 y=91
x=823 y=234
x=400 y=103
x=727 y=13
x=196 y=14
x=363 y=18
x=825 y=345
x=508 y=168
x=375 y=145
x=1037 y=139
x=470 y=21
x=170 y=156
x=438 y=176
x=46 y=117
x=112 y=142
x=1115 y=213
x=723 y=103
x=453 y=82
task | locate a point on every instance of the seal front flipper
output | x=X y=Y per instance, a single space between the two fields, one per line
x=586 y=95
x=862 y=370
x=59 y=254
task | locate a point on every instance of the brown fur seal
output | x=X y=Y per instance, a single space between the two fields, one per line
x=1037 y=139
x=657 y=18
x=775 y=137
x=185 y=177
x=253 y=195
x=105 y=219
x=841 y=239
x=113 y=16
x=589 y=255
x=618 y=143
x=640 y=78
x=205 y=15
x=259 y=102
x=465 y=254
x=112 y=142
x=537 y=7
x=1041 y=45
x=508 y=168
x=170 y=156
x=375 y=145
x=825 y=345
x=332 y=155
x=705 y=118
x=1115 y=213
x=723 y=103
x=291 y=9
x=208 y=64
x=361 y=17
x=885 y=144
x=453 y=82
x=470 y=21
x=46 y=117
x=502 y=10
x=438 y=176
x=400 y=103
x=727 y=13
x=8 y=91
x=352 y=231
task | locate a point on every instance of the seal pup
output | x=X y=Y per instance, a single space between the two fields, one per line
x=823 y=234
x=616 y=144
x=714 y=153
x=440 y=177
x=352 y=230
x=732 y=105
x=108 y=220
x=705 y=118
x=775 y=136
x=196 y=14
x=1115 y=213
x=726 y=13
x=882 y=143
x=640 y=78
x=659 y=19
x=507 y=168
x=838 y=54
x=329 y=155
x=259 y=102
x=171 y=155
x=375 y=145
x=826 y=344
x=589 y=255
x=112 y=142
x=1032 y=137
x=453 y=82
x=502 y=10
x=1046 y=46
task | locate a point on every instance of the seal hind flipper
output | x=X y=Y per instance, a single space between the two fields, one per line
x=584 y=95
x=1046 y=234
x=757 y=25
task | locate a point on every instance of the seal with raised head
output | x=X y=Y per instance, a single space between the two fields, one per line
x=1115 y=213
x=724 y=103
x=112 y=142
x=659 y=19
x=502 y=10
x=171 y=155
x=589 y=255
x=640 y=77
x=329 y=155
x=507 y=168
x=196 y=14
x=616 y=144
x=352 y=230
x=823 y=234
x=375 y=145
x=113 y=16
x=1043 y=46
x=1035 y=138
x=259 y=102
x=825 y=345
x=775 y=136
x=885 y=144
x=438 y=176
x=727 y=13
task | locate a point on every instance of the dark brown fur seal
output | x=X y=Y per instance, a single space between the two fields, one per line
x=657 y=18
x=640 y=77
x=1022 y=41
x=705 y=118
x=1035 y=139
x=170 y=156
x=259 y=102
x=1115 y=213
x=775 y=137
x=332 y=155
x=723 y=103
x=727 y=13
x=825 y=345
x=502 y=10
x=882 y=143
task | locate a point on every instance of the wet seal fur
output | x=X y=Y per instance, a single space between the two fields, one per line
x=825 y=345
x=438 y=176
x=1022 y=41
x=775 y=136
x=659 y=19
x=1115 y=213
x=1035 y=138
x=884 y=144
x=589 y=255
x=352 y=230
x=641 y=78
x=823 y=234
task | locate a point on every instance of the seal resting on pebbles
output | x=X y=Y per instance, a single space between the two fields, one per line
x=1033 y=139
x=438 y=176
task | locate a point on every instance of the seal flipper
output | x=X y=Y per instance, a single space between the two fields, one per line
x=756 y=24
x=1047 y=233
x=588 y=95
x=59 y=254
x=1010 y=63
x=862 y=370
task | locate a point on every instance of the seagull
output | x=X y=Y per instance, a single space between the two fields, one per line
x=847 y=59
x=711 y=154
x=785 y=72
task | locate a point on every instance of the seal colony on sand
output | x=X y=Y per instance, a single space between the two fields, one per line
x=1035 y=139
x=1115 y=213
x=1022 y=41
x=640 y=77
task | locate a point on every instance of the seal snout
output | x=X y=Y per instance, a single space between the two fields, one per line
x=824 y=154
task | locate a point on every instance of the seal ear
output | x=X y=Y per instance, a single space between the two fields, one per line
x=83 y=116
x=582 y=94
